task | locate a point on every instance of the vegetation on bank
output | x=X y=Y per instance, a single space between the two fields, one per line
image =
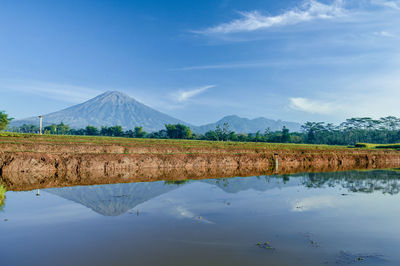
x=17 y=138
x=2 y=196
x=354 y=131
x=176 y=146
x=378 y=146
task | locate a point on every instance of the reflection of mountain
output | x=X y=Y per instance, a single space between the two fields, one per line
x=258 y=183
x=116 y=199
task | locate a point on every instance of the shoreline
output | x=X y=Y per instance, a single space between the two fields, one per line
x=48 y=161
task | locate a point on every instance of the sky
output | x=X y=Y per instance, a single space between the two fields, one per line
x=303 y=60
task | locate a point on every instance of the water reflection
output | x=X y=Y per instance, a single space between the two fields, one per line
x=304 y=219
x=117 y=199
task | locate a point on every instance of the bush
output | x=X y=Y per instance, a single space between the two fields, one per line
x=360 y=145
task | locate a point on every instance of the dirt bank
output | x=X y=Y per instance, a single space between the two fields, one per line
x=38 y=163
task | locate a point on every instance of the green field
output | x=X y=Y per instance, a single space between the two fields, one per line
x=18 y=138
x=395 y=146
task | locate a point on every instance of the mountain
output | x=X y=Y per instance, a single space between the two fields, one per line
x=108 y=109
x=245 y=125
x=115 y=108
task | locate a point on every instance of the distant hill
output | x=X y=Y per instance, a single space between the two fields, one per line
x=115 y=108
x=245 y=125
x=108 y=109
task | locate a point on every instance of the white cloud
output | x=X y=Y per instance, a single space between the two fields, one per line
x=56 y=91
x=313 y=106
x=254 y=20
x=385 y=34
x=185 y=95
x=355 y=96
x=390 y=4
x=293 y=62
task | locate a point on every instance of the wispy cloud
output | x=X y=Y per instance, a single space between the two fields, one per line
x=374 y=96
x=185 y=95
x=390 y=4
x=254 y=20
x=56 y=91
x=313 y=106
x=317 y=60
x=385 y=34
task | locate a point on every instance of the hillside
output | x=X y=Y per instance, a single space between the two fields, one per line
x=108 y=109
x=115 y=108
x=245 y=125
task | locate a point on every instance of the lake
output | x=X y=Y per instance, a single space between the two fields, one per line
x=303 y=219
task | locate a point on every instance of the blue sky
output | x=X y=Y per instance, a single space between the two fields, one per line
x=201 y=60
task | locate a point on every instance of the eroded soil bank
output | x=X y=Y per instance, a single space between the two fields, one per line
x=27 y=164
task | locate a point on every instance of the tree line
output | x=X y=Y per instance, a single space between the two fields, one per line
x=354 y=130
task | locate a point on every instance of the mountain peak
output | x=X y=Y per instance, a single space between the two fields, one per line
x=113 y=94
x=108 y=109
x=117 y=93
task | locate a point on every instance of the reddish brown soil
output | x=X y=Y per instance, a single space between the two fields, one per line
x=26 y=166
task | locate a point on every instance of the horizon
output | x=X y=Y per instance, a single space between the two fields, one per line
x=297 y=61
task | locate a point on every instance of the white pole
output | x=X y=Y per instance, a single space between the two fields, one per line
x=40 y=124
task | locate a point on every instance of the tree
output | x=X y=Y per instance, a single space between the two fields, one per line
x=211 y=135
x=285 y=135
x=139 y=133
x=391 y=122
x=62 y=129
x=178 y=131
x=28 y=128
x=114 y=131
x=79 y=132
x=311 y=129
x=52 y=129
x=91 y=131
x=4 y=120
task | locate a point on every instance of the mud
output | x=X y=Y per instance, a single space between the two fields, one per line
x=26 y=166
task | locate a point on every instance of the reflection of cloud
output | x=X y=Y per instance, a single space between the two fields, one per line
x=185 y=213
x=254 y=20
x=312 y=203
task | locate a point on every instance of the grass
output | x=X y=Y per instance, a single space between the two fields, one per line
x=17 y=138
x=2 y=196
x=184 y=146
x=378 y=146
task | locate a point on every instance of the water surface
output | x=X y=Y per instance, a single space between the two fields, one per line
x=303 y=219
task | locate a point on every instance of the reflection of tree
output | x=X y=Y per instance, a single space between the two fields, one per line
x=2 y=196
x=176 y=182
x=388 y=182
